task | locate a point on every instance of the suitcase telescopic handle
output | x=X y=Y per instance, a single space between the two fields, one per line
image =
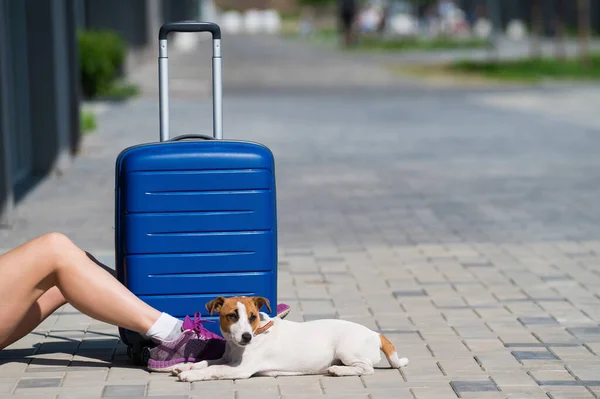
x=163 y=73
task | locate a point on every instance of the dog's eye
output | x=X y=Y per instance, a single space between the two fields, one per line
x=233 y=316
x=252 y=318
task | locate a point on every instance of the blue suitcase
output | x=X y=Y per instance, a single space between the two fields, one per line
x=195 y=215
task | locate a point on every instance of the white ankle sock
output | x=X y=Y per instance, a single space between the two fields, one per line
x=165 y=328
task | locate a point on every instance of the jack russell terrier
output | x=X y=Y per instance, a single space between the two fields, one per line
x=260 y=345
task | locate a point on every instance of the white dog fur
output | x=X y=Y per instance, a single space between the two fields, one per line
x=335 y=347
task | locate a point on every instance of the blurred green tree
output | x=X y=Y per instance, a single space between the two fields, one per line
x=316 y=3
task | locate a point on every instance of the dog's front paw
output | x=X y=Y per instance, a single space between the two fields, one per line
x=188 y=376
x=180 y=368
x=335 y=370
x=194 y=375
x=200 y=365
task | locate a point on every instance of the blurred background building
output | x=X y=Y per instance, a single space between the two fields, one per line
x=38 y=91
x=39 y=83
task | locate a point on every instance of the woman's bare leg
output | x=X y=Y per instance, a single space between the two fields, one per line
x=32 y=269
x=37 y=313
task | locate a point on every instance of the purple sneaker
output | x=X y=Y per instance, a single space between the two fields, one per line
x=282 y=310
x=195 y=344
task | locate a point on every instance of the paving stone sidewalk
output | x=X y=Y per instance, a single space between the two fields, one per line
x=476 y=320
x=466 y=230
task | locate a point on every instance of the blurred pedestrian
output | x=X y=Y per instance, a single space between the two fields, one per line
x=307 y=21
x=348 y=9
x=385 y=15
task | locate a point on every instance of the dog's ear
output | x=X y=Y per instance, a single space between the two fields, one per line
x=259 y=301
x=215 y=305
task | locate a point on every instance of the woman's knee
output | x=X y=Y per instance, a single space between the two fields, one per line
x=55 y=244
x=56 y=240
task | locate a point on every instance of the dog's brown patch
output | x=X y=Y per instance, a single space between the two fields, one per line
x=387 y=347
x=229 y=313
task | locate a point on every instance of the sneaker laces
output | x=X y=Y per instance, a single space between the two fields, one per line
x=196 y=326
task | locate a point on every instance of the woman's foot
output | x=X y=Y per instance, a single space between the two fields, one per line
x=194 y=344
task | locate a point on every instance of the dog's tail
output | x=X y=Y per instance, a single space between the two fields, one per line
x=389 y=350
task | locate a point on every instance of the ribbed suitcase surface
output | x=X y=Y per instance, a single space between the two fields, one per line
x=194 y=220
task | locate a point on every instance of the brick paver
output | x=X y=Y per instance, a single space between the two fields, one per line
x=464 y=229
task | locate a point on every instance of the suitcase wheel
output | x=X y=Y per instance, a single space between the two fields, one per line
x=145 y=355
x=138 y=348
x=136 y=353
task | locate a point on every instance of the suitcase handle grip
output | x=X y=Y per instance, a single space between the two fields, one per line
x=163 y=74
x=192 y=136
x=189 y=26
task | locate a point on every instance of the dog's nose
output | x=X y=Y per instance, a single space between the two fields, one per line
x=246 y=337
